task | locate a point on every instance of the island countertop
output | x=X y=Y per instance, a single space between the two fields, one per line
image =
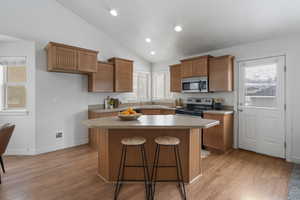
x=152 y=121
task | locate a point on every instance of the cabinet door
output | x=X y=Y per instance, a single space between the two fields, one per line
x=62 y=58
x=200 y=66
x=103 y=79
x=123 y=76
x=213 y=137
x=221 y=74
x=87 y=61
x=187 y=69
x=175 y=78
x=150 y=112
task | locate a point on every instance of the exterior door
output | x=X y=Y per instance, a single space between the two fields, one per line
x=261 y=106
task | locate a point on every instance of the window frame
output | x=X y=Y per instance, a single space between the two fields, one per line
x=4 y=109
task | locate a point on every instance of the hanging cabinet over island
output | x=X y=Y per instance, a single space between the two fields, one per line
x=103 y=79
x=116 y=75
x=71 y=59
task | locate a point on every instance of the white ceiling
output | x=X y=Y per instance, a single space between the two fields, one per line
x=207 y=24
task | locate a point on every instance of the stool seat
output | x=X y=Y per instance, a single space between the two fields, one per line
x=133 y=141
x=167 y=140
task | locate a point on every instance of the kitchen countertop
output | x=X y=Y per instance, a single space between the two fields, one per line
x=152 y=121
x=224 y=112
x=97 y=110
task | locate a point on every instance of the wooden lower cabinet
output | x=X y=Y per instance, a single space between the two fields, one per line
x=157 y=112
x=219 y=137
x=150 y=111
x=93 y=136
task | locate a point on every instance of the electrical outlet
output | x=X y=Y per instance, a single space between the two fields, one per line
x=59 y=134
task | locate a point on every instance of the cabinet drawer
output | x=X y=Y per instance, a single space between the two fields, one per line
x=150 y=112
x=167 y=112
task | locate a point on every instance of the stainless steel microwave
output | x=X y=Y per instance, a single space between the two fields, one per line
x=194 y=85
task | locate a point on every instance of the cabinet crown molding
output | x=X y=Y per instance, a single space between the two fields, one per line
x=69 y=46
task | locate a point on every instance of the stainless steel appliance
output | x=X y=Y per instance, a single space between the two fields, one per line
x=194 y=85
x=196 y=106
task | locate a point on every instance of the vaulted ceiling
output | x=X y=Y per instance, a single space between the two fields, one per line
x=207 y=24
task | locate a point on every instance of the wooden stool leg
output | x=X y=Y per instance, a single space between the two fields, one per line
x=179 y=172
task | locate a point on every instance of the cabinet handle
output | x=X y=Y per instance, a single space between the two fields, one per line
x=240 y=110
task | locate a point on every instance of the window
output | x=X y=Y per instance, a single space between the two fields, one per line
x=141 y=87
x=261 y=85
x=161 y=86
x=13 y=80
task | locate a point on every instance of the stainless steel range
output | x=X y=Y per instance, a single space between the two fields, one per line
x=196 y=106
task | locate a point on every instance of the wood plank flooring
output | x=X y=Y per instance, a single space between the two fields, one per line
x=71 y=175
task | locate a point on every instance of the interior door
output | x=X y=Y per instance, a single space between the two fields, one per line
x=261 y=106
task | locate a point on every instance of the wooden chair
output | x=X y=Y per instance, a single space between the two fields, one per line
x=5 y=134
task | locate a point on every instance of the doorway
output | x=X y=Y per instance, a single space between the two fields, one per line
x=261 y=106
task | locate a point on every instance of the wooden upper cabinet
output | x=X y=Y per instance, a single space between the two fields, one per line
x=123 y=74
x=194 y=67
x=221 y=74
x=87 y=61
x=175 y=78
x=103 y=79
x=187 y=69
x=200 y=66
x=65 y=58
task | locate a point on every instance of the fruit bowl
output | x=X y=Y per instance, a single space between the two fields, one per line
x=129 y=117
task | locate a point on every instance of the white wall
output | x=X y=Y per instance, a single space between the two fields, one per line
x=289 y=46
x=61 y=99
x=23 y=138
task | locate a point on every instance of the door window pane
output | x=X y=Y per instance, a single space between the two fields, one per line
x=16 y=97
x=261 y=85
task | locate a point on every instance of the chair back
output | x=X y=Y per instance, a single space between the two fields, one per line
x=5 y=134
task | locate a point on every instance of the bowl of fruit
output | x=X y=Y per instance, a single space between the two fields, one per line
x=129 y=115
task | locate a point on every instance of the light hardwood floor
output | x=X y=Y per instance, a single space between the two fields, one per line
x=71 y=174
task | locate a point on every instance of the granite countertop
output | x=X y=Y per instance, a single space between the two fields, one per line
x=224 y=112
x=152 y=121
x=99 y=110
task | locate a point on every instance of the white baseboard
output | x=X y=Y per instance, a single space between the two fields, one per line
x=62 y=146
x=25 y=152
x=47 y=149
x=295 y=160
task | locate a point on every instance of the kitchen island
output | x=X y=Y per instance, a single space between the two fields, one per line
x=187 y=128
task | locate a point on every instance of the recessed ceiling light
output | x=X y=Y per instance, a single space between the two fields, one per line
x=148 y=40
x=152 y=53
x=178 y=28
x=114 y=12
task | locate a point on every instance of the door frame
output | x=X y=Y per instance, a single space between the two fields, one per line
x=287 y=134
